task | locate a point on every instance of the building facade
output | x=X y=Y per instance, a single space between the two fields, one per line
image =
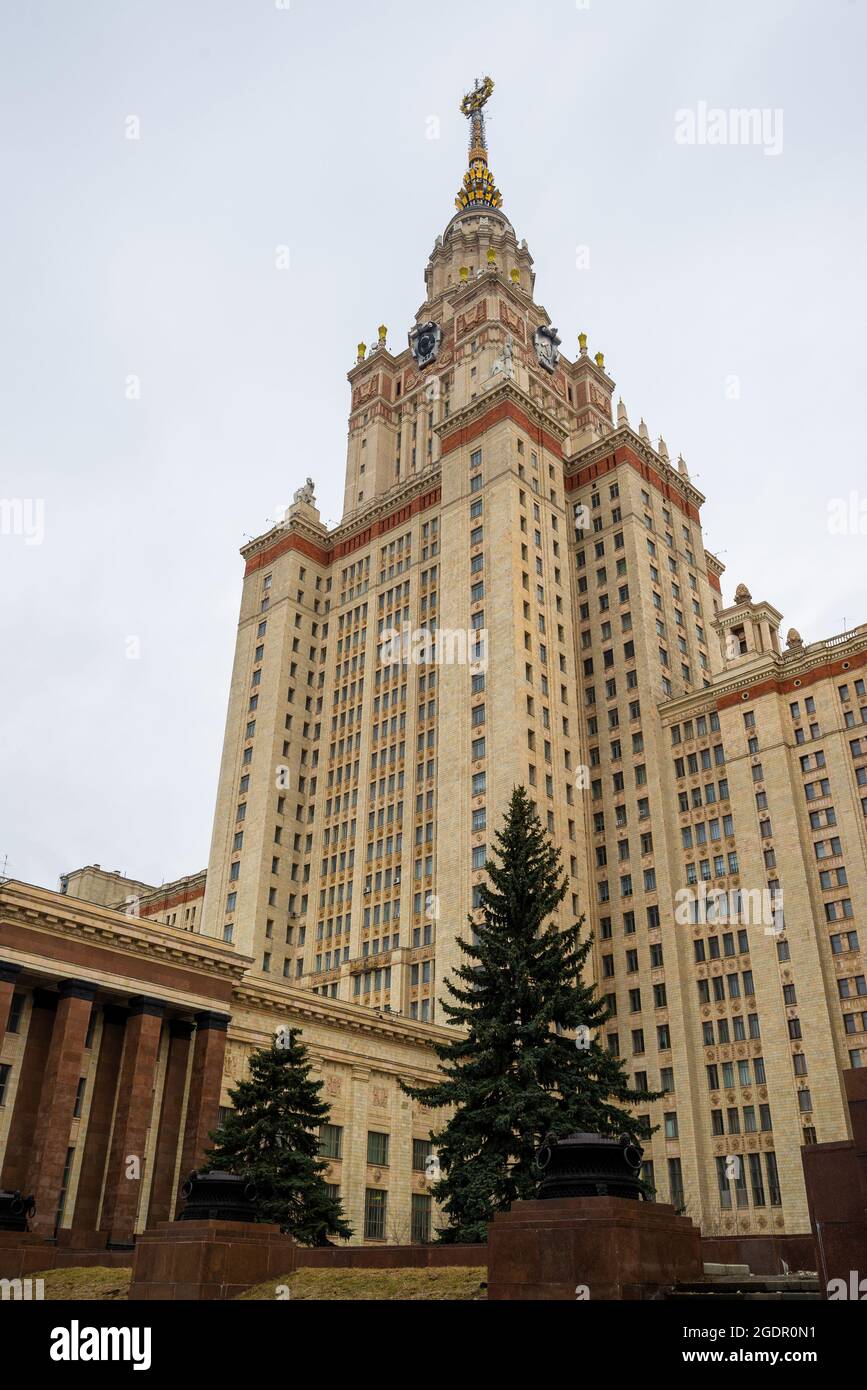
x=120 y=1040
x=518 y=593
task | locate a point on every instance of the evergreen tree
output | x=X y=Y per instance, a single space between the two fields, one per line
x=271 y=1138
x=513 y=1077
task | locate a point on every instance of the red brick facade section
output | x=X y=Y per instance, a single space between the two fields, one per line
x=188 y=895
x=85 y=1217
x=830 y=670
x=328 y=555
x=123 y=1182
x=203 y=1099
x=506 y=410
x=63 y=1070
x=71 y=954
x=161 y=1205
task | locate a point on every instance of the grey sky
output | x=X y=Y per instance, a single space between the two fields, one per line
x=306 y=127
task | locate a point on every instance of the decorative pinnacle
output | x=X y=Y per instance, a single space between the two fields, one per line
x=478 y=189
x=472 y=107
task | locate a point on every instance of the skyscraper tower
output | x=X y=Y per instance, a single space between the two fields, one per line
x=518 y=593
x=395 y=677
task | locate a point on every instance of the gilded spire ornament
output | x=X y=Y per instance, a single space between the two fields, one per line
x=479 y=189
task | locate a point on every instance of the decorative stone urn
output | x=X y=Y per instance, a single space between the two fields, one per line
x=218 y=1196
x=589 y=1165
x=15 y=1211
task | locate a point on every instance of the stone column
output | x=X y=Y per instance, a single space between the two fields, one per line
x=161 y=1203
x=206 y=1078
x=23 y=1127
x=85 y=1217
x=132 y=1113
x=402 y=1180
x=8 y=978
x=355 y=1153
x=60 y=1079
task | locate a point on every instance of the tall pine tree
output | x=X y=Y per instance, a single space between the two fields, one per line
x=512 y=1077
x=271 y=1138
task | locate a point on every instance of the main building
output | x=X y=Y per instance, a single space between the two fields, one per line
x=517 y=592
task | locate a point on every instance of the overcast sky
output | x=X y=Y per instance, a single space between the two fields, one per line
x=166 y=385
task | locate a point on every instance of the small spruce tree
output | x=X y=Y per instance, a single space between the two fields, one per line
x=514 y=1077
x=271 y=1138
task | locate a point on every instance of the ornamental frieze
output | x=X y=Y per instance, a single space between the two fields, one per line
x=235 y=1061
x=513 y=321
x=467 y=322
x=365 y=390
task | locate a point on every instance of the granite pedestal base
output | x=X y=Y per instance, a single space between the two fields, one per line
x=23 y=1253
x=612 y=1247
x=835 y=1176
x=208 y=1259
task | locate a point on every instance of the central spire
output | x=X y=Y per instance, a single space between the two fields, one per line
x=478 y=189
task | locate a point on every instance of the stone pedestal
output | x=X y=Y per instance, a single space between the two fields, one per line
x=613 y=1247
x=64 y=1064
x=208 y=1259
x=835 y=1176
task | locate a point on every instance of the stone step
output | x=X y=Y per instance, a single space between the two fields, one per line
x=773 y=1287
x=741 y=1296
x=712 y=1270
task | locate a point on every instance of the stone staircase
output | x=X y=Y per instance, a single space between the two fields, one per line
x=737 y=1283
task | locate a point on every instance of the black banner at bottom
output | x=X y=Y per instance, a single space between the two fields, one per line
x=63 y=1339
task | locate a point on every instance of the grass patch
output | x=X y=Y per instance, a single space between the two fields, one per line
x=89 y=1284
x=452 y=1283
x=449 y=1283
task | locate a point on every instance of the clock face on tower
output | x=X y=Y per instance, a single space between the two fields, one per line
x=424 y=342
